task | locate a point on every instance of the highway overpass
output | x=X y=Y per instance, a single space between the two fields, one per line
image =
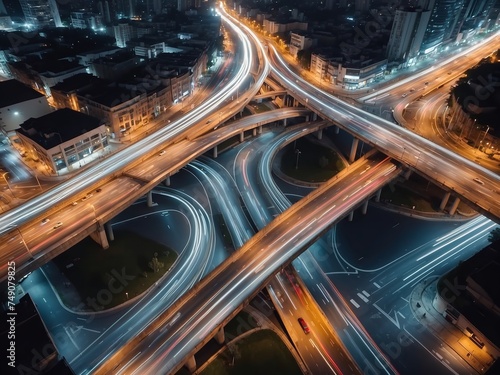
x=185 y=327
x=452 y=172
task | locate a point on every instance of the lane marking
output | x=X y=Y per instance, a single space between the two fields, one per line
x=362 y=297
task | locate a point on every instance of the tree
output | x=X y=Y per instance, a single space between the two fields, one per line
x=155 y=264
x=494 y=235
x=304 y=58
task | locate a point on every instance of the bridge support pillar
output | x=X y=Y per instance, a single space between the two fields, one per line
x=284 y=122
x=167 y=180
x=150 y=199
x=214 y=154
x=259 y=129
x=254 y=132
x=109 y=231
x=99 y=236
x=364 y=207
x=219 y=336
x=242 y=137
x=377 y=195
x=354 y=148
x=191 y=364
x=454 y=206
x=351 y=216
x=314 y=116
x=407 y=174
x=444 y=201
x=336 y=129
x=320 y=134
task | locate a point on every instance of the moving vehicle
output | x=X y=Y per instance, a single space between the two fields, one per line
x=478 y=181
x=304 y=325
x=58 y=224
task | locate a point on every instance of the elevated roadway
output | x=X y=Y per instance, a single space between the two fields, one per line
x=192 y=321
x=25 y=239
x=34 y=243
x=476 y=185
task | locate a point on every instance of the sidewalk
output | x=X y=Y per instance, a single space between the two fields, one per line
x=421 y=305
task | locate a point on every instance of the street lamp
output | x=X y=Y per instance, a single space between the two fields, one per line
x=297 y=152
x=24 y=242
x=485 y=133
x=38 y=181
x=93 y=209
x=8 y=185
x=49 y=135
x=418 y=158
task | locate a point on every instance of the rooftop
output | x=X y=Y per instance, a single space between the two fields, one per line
x=55 y=66
x=58 y=127
x=76 y=82
x=17 y=93
x=111 y=96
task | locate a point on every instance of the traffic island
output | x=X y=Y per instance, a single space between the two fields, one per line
x=92 y=279
x=259 y=351
x=308 y=161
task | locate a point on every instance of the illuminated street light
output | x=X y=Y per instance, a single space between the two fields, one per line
x=297 y=152
x=485 y=133
x=8 y=185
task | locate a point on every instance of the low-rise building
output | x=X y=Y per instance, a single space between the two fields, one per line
x=124 y=108
x=299 y=40
x=351 y=74
x=274 y=26
x=18 y=103
x=468 y=297
x=64 y=94
x=115 y=66
x=86 y=20
x=43 y=74
x=62 y=139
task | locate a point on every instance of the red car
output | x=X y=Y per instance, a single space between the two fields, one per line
x=304 y=325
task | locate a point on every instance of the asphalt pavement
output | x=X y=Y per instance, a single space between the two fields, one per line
x=422 y=308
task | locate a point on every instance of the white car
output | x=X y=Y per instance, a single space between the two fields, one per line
x=45 y=221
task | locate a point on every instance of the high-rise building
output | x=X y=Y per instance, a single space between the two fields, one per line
x=3 y=10
x=442 y=22
x=362 y=5
x=157 y=6
x=103 y=9
x=407 y=33
x=473 y=15
x=182 y=5
x=41 y=13
x=123 y=33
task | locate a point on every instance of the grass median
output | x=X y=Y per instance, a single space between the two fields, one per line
x=310 y=162
x=111 y=276
x=262 y=352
